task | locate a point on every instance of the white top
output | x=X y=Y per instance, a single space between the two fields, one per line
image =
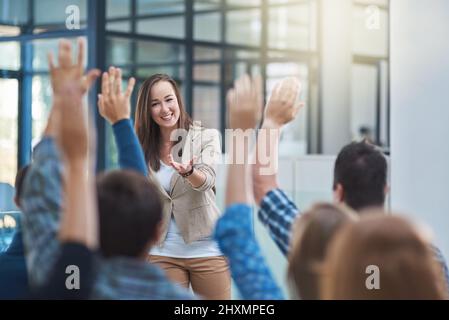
x=174 y=245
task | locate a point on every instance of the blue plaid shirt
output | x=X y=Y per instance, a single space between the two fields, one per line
x=234 y=235
x=278 y=212
x=118 y=278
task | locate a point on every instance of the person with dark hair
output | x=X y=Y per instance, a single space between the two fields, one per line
x=360 y=176
x=183 y=170
x=127 y=202
x=13 y=272
x=360 y=179
x=313 y=231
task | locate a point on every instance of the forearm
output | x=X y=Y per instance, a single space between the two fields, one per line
x=264 y=172
x=236 y=240
x=203 y=178
x=130 y=152
x=79 y=221
x=197 y=178
x=238 y=188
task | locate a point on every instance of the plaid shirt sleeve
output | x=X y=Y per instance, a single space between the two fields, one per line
x=249 y=269
x=442 y=262
x=277 y=212
x=41 y=205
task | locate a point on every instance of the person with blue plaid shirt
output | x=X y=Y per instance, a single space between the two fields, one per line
x=234 y=232
x=277 y=212
x=116 y=277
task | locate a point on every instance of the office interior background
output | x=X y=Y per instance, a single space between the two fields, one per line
x=374 y=69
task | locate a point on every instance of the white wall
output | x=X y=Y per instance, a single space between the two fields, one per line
x=420 y=113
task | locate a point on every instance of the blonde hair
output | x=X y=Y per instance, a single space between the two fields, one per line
x=312 y=232
x=406 y=264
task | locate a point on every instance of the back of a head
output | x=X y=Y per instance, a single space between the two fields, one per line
x=381 y=257
x=312 y=233
x=361 y=169
x=18 y=183
x=129 y=213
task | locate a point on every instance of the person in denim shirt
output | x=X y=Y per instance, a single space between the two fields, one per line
x=121 y=269
x=13 y=272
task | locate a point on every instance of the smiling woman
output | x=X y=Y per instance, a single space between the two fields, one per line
x=184 y=171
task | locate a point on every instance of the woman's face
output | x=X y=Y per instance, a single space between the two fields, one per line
x=164 y=105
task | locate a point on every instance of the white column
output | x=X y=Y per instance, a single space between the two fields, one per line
x=336 y=32
x=420 y=113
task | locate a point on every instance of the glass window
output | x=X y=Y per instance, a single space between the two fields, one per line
x=370 y=31
x=200 y=5
x=176 y=72
x=9 y=31
x=206 y=53
x=233 y=54
x=206 y=106
x=243 y=3
x=159 y=6
x=207 y=27
x=118 y=51
x=288 y=27
x=10 y=55
x=41 y=105
x=120 y=26
x=54 y=11
x=243 y=27
x=8 y=129
x=207 y=72
x=363 y=102
x=282 y=1
x=118 y=8
x=383 y=3
x=159 y=52
x=42 y=47
x=165 y=27
x=14 y=12
x=111 y=151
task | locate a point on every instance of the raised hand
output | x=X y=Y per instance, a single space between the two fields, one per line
x=244 y=103
x=68 y=75
x=69 y=86
x=114 y=105
x=282 y=107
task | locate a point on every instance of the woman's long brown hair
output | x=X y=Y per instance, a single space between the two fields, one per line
x=147 y=129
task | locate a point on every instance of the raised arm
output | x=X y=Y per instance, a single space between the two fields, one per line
x=79 y=221
x=277 y=211
x=114 y=105
x=42 y=198
x=280 y=110
x=234 y=232
x=78 y=231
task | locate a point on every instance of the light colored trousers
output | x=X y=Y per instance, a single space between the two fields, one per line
x=209 y=277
